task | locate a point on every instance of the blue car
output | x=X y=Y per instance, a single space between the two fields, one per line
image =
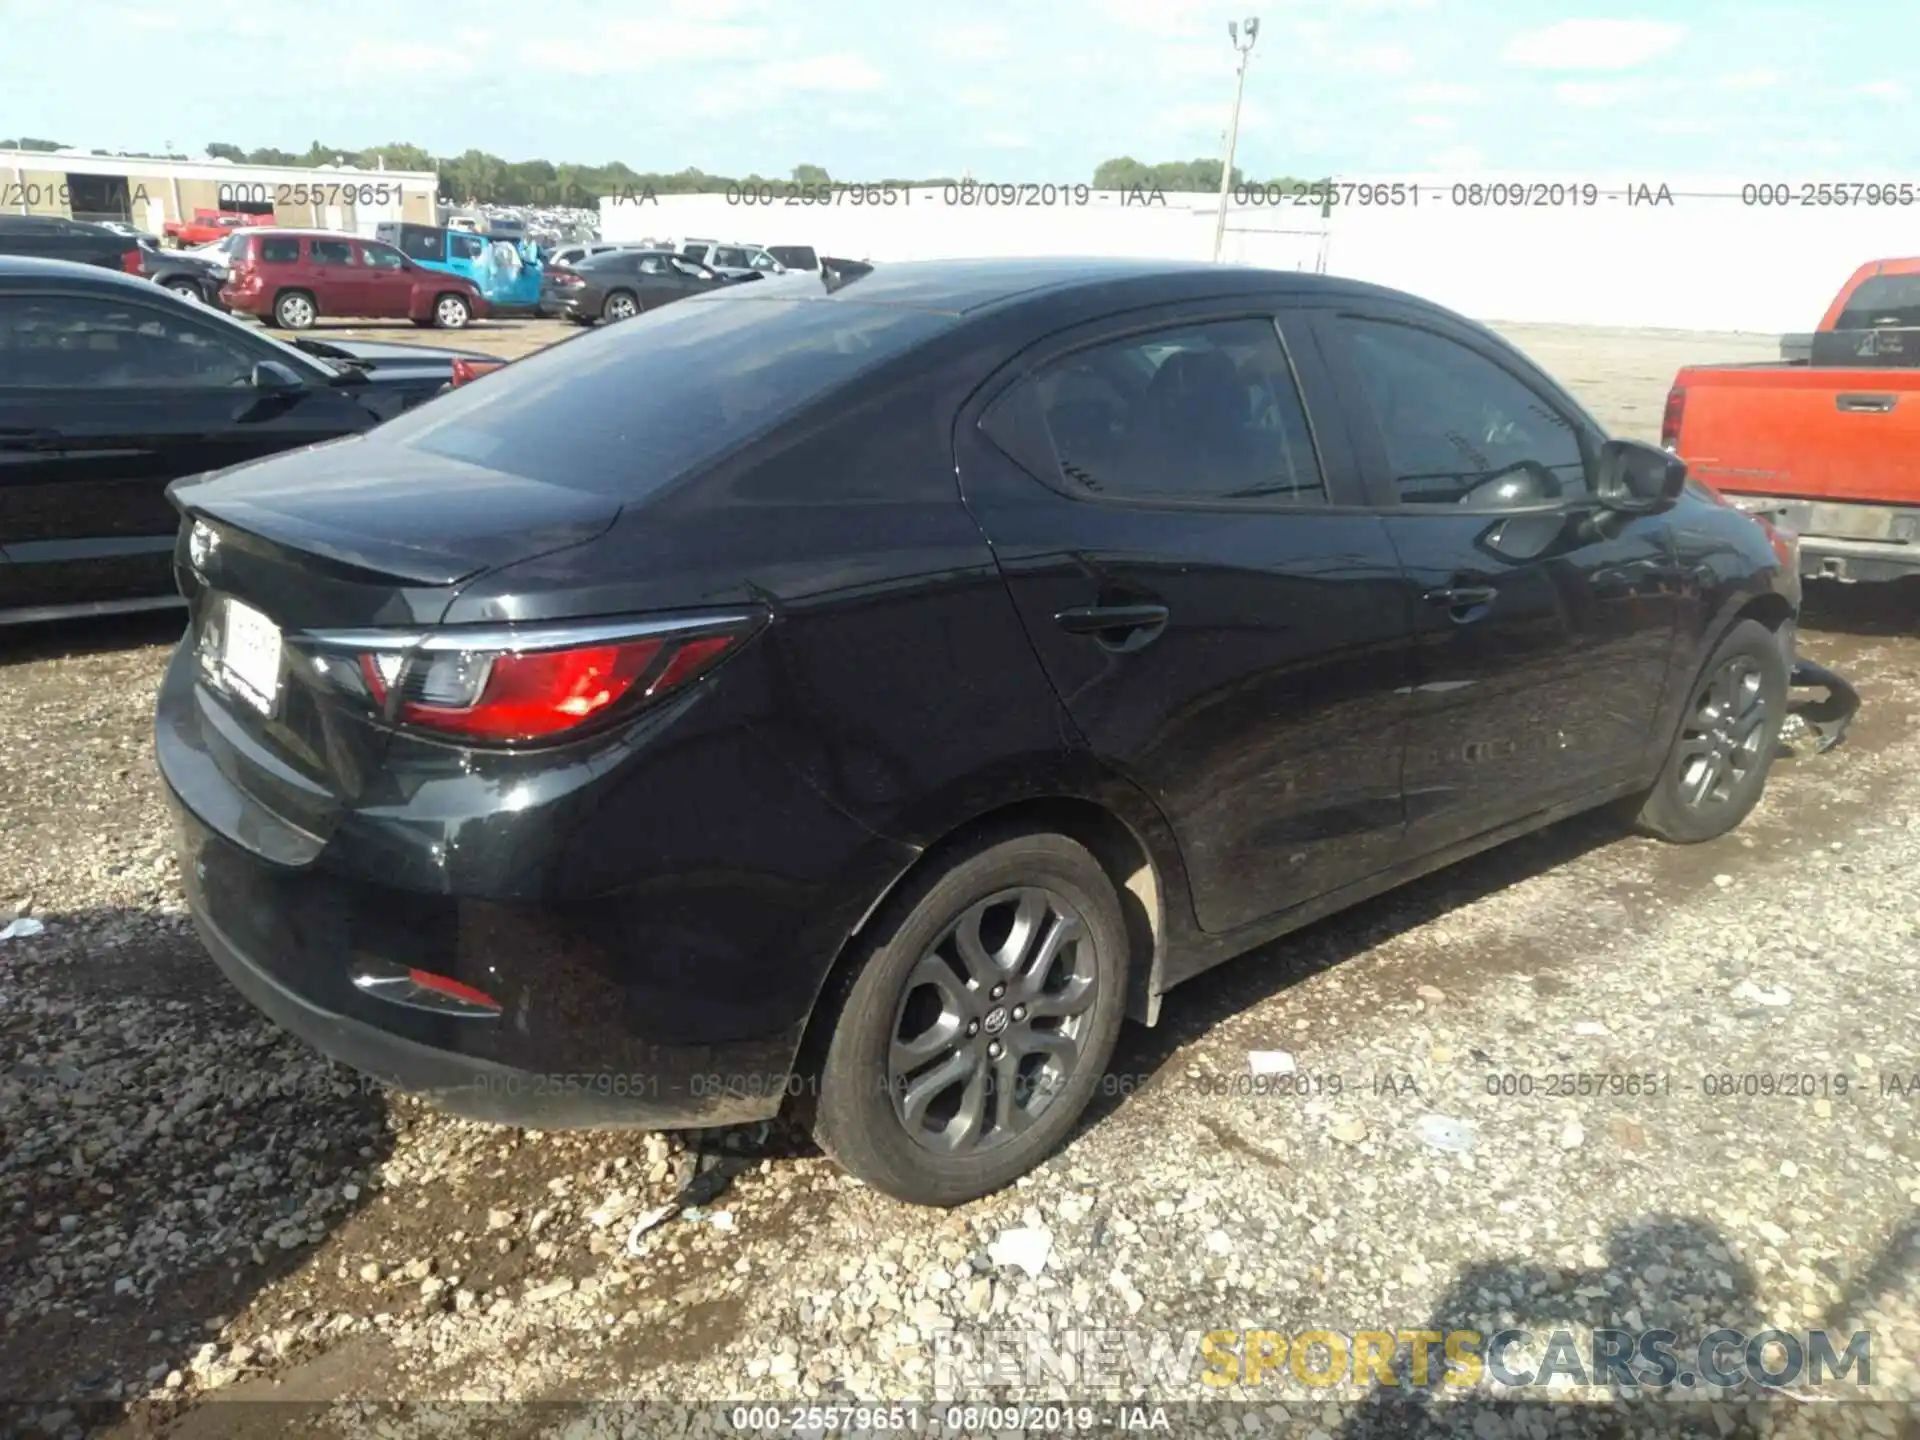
x=505 y=268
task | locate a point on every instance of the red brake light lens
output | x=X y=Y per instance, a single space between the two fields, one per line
x=466 y=370
x=566 y=279
x=508 y=696
x=1670 y=419
x=130 y=261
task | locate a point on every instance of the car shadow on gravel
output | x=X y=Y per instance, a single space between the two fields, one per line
x=92 y=635
x=1196 y=1007
x=166 y=1154
x=1887 y=608
x=1660 y=1273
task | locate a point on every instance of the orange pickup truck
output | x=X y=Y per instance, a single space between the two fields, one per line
x=1828 y=447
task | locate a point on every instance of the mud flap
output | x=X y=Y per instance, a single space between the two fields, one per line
x=1828 y=718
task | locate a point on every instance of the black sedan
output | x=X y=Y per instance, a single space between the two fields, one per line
x=619 y=284
x=111 y=388
x=868 y=696
x=188 y=276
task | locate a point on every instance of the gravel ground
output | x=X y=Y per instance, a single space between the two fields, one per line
x=197 y=1213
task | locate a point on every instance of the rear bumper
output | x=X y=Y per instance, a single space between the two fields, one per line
x=681 y=1089
x=1845 y=540
x=652 y=932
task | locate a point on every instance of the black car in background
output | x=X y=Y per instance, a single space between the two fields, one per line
x=188 y=276
x=54 y=237
x=871 y=694
x=619 y=284
x=111 y=388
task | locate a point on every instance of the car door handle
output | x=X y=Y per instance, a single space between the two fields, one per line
x=1117 y=627
x=1462 y=597
x=1865 y=404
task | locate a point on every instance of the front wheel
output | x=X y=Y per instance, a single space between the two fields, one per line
x=451 y=312
x=1718 y=767
x=979 y=1023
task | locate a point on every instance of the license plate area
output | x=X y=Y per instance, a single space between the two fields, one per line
x=240 y=652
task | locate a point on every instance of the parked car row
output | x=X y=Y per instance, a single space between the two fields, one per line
x=620 y=283
x=1081 y=624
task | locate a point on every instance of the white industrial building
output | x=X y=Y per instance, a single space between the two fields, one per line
x=1700 y=253
x=149 y=192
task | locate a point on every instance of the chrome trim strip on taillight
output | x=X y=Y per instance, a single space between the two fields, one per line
x=517 y=639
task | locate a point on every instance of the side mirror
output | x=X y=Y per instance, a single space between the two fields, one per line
x=1639 y=479
x=276 y=377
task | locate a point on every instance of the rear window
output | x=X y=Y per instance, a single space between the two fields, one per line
x=1883 y=302
x=276 y=250
x=626 y=409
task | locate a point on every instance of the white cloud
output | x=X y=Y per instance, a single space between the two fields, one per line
x=1593 y=44
x=1208 y=118
x=1445 y=94
x=969 y=42
x=1762 y=79
x=1882 y=89
x=1594 y=94
x=975 y=99
x=839 y=73
x=1459 y=159
x=1378 y=59
x=855 y=120
x=1430 y=122
x=1166 y=17
x=622 y=46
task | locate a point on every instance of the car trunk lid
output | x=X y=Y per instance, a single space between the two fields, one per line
x=276 y=556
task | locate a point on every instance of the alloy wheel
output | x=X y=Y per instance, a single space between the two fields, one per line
x=1722 y=743
x=451 y=313
x=296 y=312
x=620 y=308
x=991 y=1021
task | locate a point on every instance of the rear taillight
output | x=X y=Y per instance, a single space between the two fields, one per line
x=468 y=370
x=565 y=279
x=130 y=262
x=1670 y=420
x=504 y=694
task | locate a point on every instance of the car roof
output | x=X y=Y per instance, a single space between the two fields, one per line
x=960 y=286
x=35 y=267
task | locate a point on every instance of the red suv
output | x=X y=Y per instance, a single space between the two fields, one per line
x=293 y=277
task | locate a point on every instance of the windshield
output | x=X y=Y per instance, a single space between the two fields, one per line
x=627 y=409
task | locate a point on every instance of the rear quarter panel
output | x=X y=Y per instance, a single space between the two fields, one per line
x=1782 y=431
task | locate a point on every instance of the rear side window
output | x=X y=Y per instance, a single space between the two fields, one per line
x=466 y=247
x=277 y=250
x=1203 y=412
x=332 y=252
x=85 y=342
x=1883 y=302
x=626 y=409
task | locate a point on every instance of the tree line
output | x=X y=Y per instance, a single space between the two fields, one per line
x=476 y=177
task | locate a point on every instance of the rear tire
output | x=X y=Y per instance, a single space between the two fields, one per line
x=186 y=290
x=1717 y=769
x=937 y=1087
x=620 y=305
x=295 y=310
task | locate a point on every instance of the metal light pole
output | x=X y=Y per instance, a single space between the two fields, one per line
x=1235 y=31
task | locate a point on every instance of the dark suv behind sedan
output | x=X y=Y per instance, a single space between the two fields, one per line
x=868 y=696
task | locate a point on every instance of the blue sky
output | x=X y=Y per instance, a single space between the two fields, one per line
x=1036 y=91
